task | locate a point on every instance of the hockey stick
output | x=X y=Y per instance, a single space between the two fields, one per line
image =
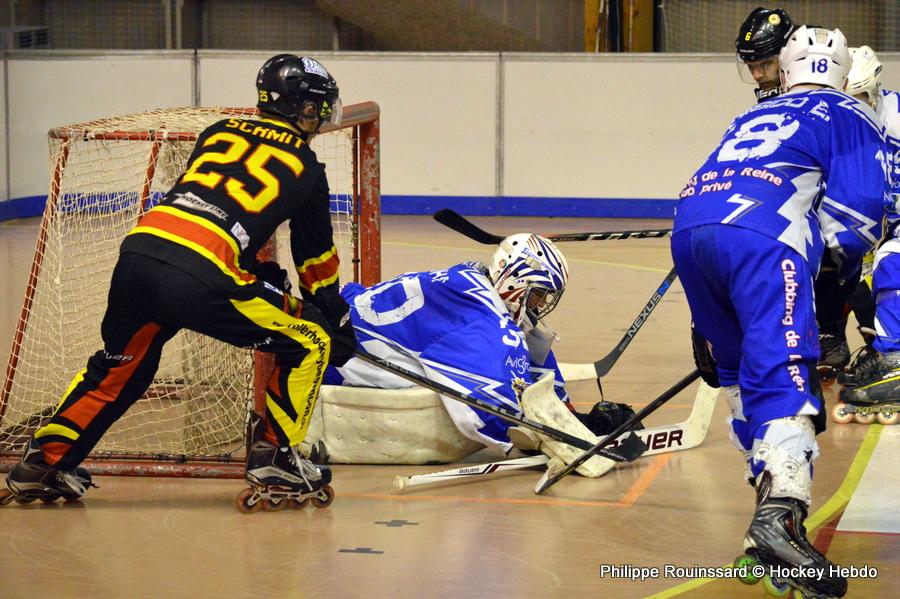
x=461 y=224
x=549 y=479
x=658 y=439
x=581 y=372
x=628 y=451
x=402 y=482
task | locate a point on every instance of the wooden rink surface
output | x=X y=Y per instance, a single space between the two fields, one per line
x=490 y=537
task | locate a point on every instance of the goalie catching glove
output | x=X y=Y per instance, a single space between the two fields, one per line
x=606 y=416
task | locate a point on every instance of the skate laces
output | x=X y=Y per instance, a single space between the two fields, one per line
x=307 y=469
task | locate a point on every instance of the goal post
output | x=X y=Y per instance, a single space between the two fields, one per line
x=103 y=175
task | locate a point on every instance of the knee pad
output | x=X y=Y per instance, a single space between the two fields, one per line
x=738 y=429
x=787 y=451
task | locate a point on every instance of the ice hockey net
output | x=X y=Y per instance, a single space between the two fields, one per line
x=104 y=174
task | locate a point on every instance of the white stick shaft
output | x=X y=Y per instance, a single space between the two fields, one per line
x=402 y=482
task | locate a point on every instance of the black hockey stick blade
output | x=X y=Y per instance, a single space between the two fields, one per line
x=548 y=479
x=605 y=364
x=505 y=414
x=459 y=223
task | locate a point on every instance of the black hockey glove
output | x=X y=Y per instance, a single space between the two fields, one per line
x=343 y=338
x=605 y=417
x=337 y=313
x=704 y=360
x=273 y=274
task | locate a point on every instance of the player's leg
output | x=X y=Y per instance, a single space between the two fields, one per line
x=832 y=308
x=115 y=377
x=875 y=391
x=781 y=402
x=272 y=322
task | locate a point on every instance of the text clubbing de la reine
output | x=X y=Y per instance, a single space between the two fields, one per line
x=791 y=338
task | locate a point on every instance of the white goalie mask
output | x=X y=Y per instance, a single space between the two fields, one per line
x=530 y=274
x=815 y=55
x=865 y=75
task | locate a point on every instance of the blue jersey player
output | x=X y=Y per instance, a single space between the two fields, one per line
x=473 y=327
x=793 y=177
x=870 y=388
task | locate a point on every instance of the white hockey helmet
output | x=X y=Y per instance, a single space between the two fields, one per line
x=865 y=75
x=530 y=274
x=815 y=55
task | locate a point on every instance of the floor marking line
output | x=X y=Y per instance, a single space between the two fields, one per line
x=646 y=479
x=834 y=504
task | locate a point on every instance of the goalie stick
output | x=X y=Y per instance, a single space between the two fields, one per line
x=628 y=451
x=551 y=478
x=460 y=224
x=468 y=472
x=658 y=439
x=580 y=372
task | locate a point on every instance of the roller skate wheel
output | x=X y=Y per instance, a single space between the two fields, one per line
x=888 y=418
x=6 y=496
x=329 y=497
x=840 y=414
x=24 y=500
x=746 y=561
x=299 y=504
x=775 y=588
x=244 y=504
x=274 y=505
x=49 y=499
x=861 y=418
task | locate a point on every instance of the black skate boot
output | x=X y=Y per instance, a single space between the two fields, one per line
x=835 y=355
x=777 y=539
x=29 y=482
x=876 y=396
x=279 y=478
x=865 y=361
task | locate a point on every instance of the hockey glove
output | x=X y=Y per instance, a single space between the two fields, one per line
x=605 y=417
x=343 y=338
x=273 y=274
x=704 y=360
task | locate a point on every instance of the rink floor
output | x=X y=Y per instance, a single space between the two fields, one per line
x=487 y=537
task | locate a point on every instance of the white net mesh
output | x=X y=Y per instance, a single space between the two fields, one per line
x=197 y=403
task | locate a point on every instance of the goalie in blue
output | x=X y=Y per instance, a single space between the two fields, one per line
x=793 y=177
x=474 y=327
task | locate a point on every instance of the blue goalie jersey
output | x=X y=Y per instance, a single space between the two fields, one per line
x=800 y=169
x=452 y=327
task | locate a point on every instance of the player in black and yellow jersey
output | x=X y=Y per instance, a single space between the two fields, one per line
x=191 y=263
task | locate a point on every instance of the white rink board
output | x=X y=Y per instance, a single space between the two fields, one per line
x=438 y=114
x=61 y=89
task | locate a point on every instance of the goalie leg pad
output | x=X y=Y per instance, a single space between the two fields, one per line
x=363 y=425
x=540 y=403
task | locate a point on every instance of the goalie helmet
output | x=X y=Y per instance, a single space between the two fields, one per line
x=530 y=274
x=298 y=87
x=762 y=34
x=865 y=75
x=815 y=55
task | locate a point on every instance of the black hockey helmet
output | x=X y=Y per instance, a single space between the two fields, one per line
x=296 y=87
x=763 y=33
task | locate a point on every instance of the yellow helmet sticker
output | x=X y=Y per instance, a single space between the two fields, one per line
x=774 y=19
